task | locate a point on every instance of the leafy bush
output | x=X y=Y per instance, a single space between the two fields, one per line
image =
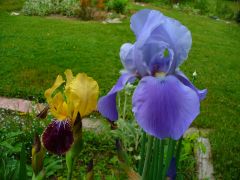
x=202 y=5
x=238 y=16
x=224 y=11
x=69 y=7
x=148 y=1
x=46 y=7
x=117 y=5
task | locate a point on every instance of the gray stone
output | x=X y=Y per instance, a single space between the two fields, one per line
x=204 y=165
x=91 y=124
x=140 y=4
x=15 y=14
x=112 y=21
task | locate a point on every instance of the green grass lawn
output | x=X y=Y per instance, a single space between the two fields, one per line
x=33 y=50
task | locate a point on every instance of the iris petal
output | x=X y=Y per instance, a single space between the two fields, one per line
x=58 y=82
x=57 y=137
x=126 y=57
x=181 y=76
x=141 y=60
x=152 y=25
x=58 y=107
x=144 y=22
x=177 y=36
x=82 y=92
x=164 y=107
x=161 y=63
x=107 y=104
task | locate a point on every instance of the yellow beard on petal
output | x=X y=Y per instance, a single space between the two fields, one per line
x=160 y=74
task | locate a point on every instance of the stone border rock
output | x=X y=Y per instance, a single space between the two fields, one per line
x=204 y=159
x=20 y=105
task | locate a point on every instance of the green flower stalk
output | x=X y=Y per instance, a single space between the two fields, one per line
x=38 y=153
x=124 y=162
x=76 y=148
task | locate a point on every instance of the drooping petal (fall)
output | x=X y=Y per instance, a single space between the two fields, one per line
x=107 y=104
x=181 y=76
x=58 y=137
x=164 y=107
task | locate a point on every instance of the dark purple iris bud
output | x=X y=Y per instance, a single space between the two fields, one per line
x=58 y=137
x=90 y=166
x=172 y=170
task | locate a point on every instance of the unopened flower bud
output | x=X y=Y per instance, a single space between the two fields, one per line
x=194 y=73
x=38 y=153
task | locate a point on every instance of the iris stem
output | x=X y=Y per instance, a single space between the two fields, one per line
x=152 y=159
x=142 y=152
x=178 y=151
x=147 y=158
x=124 y=105
x=119 y=102
x=160 y=161
x=156 y=157
x=69 y=177
x=170 y=152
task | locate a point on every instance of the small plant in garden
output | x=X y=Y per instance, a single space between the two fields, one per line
x=47 y=7
x=202 y=5
x=165 y=102
x=238 y=16
x=117 y=5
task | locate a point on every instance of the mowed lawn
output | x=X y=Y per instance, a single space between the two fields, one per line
x=33 y=50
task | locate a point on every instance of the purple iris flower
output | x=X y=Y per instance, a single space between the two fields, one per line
x=165 y=102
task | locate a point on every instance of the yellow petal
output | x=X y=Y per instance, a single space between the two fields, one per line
x=58 y=82
x=58 y=107
x=83 y=94
x=69 y=77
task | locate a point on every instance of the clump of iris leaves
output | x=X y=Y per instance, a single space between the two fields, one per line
x=16 y=138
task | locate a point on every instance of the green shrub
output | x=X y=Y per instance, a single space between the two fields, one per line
x=224 y=11
x=69 y=7
x=117 y=5
x=202 y=5
x=46 y=7
x=144 y=1
x=238 y=16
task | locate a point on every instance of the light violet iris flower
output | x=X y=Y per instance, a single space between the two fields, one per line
x=165 y=102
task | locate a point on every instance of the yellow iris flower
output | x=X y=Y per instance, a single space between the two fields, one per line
x=80 y=94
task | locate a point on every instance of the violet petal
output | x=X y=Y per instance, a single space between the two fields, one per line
x=164 y=107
